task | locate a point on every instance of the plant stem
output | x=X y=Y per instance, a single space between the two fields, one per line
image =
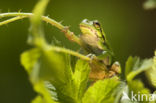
x=64 y=50
x=11 y=20
x=70 y=35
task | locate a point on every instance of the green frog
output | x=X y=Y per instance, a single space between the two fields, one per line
x=93 y=35
x=95 y=42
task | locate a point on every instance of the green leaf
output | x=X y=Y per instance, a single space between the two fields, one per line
x=43 y=91
x=150 y=4
x=38 y=12
x=137 y=87
x=119 y=92
x=151 y=73
x=43 y=64
x=38 y=99
x=130 y=64
x=135 y=66
x=36 y=36
x=73 y=90
x=134 y=91
x=80 y=78
x=62 y=77
x=102 y=91
x=54 y=65
x=29 y=59
x=48 y=65
x=125 y=97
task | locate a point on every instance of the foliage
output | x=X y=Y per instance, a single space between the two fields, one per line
x=103 y=91
x=57 y=81
x=150 y=4
x=134 y=66
x=151 y=74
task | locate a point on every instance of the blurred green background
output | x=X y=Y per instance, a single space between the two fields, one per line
x=130 y=29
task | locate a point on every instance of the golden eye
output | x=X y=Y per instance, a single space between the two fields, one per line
x=96 y=24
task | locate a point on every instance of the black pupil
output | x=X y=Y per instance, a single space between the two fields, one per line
x=97 y=24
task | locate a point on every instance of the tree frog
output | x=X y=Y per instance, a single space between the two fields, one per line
x=94 y=39
x=95 y=42
x=93 y=34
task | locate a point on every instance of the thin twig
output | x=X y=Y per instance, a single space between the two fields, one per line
x=11 y=20
x=68 y=51
x=70 y=35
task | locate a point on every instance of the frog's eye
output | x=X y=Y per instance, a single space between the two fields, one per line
x=96 y=24
x=85 y=21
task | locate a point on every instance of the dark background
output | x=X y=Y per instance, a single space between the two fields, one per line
x=130 y=29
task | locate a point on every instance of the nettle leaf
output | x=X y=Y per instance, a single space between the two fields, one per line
x=134 y=91
x=135 y=66
x=119 y=92
x=38 y=12
x=130 y=64
x=36 y=22
x=38 y=99
x=73 y=89
x=151 y=73
x=102 y=91
x=43 y=64
x=125 y=96
x=54 y=65
x=45 y=96
x=29 y=60
x=47 y=65
x=52 y=90
x=80 y=77
x=61 y=78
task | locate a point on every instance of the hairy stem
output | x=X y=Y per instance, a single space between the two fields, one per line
x=70 y=35
x=11 y=20
x=68 y=51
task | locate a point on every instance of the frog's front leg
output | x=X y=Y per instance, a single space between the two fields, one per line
x=90 y=55
x=115 y=69
x=98 y=69
x=106 y=58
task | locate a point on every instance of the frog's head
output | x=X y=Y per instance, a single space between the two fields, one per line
x=92 y=28
x=93 y=35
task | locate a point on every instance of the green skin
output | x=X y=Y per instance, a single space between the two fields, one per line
x=94 y=40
